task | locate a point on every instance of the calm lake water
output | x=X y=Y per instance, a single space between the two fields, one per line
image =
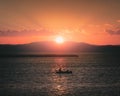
x=93 y=75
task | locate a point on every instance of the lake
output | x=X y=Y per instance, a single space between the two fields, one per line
x=94 y=74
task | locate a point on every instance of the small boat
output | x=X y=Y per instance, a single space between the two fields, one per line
x=63 y=71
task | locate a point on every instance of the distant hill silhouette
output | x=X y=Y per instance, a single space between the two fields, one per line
x=48 y=46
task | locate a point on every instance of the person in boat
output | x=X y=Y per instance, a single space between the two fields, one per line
x=60 y=70
x=67 y=71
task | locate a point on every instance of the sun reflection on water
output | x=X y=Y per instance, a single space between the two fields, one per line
x=59 y=85
x=59 y=82
x=59 y=63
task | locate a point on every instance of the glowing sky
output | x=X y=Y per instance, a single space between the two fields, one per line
x=90 y=21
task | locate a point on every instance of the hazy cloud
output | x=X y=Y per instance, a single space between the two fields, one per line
x=113 y=32
x=118 y=21
x=25 y=33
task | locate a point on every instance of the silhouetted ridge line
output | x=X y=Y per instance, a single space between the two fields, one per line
x=52 y=47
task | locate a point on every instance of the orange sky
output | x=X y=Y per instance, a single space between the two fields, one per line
x=90 y=21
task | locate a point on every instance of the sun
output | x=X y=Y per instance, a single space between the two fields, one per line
x=59 y=40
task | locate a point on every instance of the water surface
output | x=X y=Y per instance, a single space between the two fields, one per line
x=94 y=74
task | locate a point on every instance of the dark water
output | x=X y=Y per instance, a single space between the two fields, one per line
x=93 y=75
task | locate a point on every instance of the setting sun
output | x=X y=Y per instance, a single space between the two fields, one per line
x=59 y=40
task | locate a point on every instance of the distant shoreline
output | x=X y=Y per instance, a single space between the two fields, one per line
x=39 y=55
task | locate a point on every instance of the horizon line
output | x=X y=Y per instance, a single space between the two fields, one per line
x=61 y=44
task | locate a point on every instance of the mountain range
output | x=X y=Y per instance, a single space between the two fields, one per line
x=52 y=47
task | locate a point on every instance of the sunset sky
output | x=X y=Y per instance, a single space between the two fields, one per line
x=90 y=21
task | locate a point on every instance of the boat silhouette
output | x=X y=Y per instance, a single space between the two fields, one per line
x=63 y=71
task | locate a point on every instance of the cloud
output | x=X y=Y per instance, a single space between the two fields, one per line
x=15 y=33
x=118 y=21
x=113 y=32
